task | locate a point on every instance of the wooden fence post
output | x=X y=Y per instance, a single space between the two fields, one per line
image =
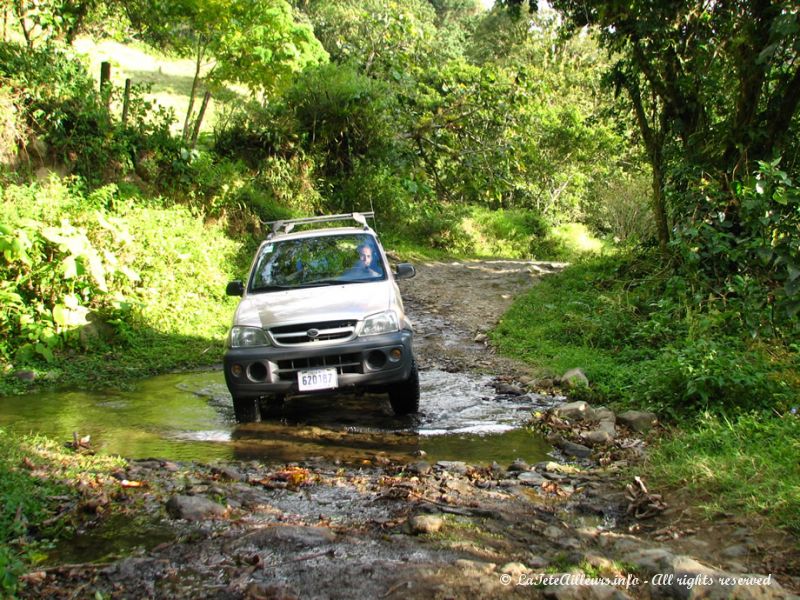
x=126 y=101
x=105 y=81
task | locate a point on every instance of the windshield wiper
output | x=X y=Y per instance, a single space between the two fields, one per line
x=321 y=282
x=271 y=288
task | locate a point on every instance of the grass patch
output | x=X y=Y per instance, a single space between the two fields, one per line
x=522 y=234
x=36 y=477
x=576 y=318
x=643 y=343
x=745 y=464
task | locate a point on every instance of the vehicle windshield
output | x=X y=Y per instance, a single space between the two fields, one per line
x=317 y=261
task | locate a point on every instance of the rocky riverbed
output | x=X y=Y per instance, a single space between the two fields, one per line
x=580 y=524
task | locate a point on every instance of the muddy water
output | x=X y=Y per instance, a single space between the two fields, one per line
x=188 y=416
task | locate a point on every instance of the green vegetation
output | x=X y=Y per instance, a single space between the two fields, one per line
x=745 y=464
x=37 y=476
x=643 y=341
x=100 y=287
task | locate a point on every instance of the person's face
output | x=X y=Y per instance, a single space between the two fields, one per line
x=365 y=256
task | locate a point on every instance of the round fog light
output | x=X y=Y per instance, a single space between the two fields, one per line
x=396 y=354
x=236 y=370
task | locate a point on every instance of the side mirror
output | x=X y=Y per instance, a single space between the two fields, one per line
x=405 y=271
x=235 y=288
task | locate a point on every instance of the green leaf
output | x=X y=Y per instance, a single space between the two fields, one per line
x=69 y=267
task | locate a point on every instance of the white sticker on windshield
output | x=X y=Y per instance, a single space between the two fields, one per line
x=269 y=248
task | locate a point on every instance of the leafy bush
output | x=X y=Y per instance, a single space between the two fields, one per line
x=717 y=374
x=59 y=276
x=623 y=208
x=748 y=259
x=508 y=233
x=88 y=274
x=342 y=116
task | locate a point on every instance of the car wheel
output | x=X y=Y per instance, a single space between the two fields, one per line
x=270 y=406
x=404 y=396
x=245 y=409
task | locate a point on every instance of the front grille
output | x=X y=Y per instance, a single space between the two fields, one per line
x=290 y=335
x=343 y=363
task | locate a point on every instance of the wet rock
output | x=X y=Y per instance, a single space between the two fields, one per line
x=227 y=473
x=423 y=524
x=639 y=421
x=608 y=427
x=546 y=384
x=597 y=437
x=480 y=338
x=573 y=449
x=507 y=389
x=737 y=551
x=553 y=533
x=262 y=591
x=575 y=411
x=291 y=535
x=537 y=562
x=601 y=413
x=129 y=568
x=458 y=485
x=454 y=466
x=531 y=478
x=554 y=467
x=519 y=465
x=419 y=468
x=194 y=508
x=575 y=378
x=496 y=469
x=683 y=577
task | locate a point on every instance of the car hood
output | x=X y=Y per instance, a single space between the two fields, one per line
x=314 y=304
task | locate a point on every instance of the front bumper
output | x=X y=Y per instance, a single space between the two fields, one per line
x=359 y=363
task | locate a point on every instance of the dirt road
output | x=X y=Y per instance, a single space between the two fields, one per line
x=397 y=529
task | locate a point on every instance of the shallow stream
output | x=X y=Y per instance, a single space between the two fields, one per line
x=188 y=416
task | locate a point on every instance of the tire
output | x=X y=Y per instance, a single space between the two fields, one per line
x=270 y=406
x=404 y=396
x=245 y=409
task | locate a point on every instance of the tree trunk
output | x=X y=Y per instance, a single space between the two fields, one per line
x=653 y=137
x=195 y=83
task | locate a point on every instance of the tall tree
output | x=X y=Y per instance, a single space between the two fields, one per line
x=257 y=43
x=719 y=81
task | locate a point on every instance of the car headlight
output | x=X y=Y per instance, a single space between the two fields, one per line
x=243 y=337
x=384 y=322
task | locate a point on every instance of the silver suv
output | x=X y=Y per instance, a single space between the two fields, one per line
x=320 y=313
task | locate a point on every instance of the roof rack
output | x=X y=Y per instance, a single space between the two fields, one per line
x=286 y=225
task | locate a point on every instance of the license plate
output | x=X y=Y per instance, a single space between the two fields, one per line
x=317 y=379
